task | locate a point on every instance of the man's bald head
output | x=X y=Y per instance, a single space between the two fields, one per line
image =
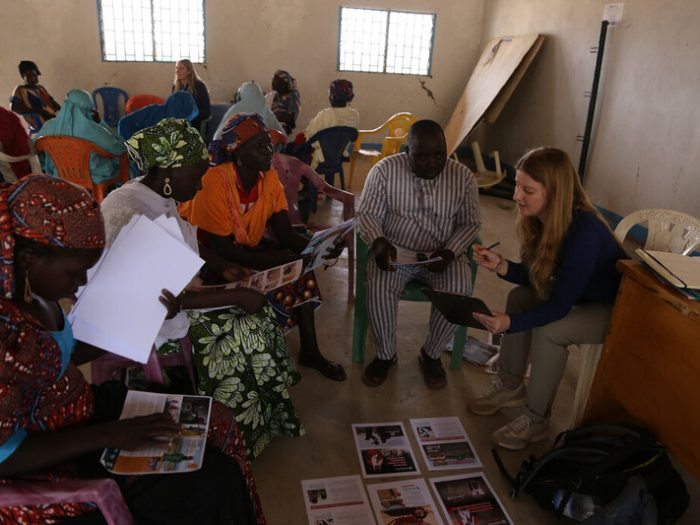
x=427 y=150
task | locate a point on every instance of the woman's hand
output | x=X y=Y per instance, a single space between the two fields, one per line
x=171 y=302
x=248 y=299
x=493 y=262
x=496 y=323
x=144 y=431
x=233 y=272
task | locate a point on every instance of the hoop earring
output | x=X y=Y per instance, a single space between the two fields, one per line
x=27 y=289
x=167 y=188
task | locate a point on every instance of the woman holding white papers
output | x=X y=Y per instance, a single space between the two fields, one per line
x=239 y=351
x=567 y=285
x=53 y=425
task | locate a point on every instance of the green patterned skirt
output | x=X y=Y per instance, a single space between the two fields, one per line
x=242 y=362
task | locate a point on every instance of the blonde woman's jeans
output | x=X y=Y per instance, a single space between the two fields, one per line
x=546 y=346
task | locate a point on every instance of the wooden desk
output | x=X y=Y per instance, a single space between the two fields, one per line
x=650 y=365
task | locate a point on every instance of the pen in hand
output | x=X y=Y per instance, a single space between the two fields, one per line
x=493 y=245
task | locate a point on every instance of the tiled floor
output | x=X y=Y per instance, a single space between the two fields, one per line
x=328 y=409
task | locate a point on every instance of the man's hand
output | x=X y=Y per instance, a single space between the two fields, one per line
x=440 y=266
x=384 y=252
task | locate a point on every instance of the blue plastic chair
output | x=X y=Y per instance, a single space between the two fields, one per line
x=110 y=103
x=334 y=144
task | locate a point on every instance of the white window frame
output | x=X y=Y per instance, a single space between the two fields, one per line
x=386 y=35
x=150 y=32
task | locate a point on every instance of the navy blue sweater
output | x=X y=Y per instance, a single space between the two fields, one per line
x=586 y=273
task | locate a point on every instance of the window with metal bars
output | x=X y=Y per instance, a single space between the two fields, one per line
x=152 y=30
x=381 y=41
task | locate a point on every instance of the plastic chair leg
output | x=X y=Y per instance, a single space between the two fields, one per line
x=359 y=332
x=460 y=338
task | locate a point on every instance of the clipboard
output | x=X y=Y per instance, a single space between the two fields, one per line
x=458 y=309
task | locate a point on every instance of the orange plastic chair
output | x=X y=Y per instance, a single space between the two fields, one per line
x=139 y=101
x=396 y=129
x=71 y=157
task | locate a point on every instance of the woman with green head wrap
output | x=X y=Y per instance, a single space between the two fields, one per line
x=239 y=350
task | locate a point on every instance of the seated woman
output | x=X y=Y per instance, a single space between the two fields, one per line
x=77 y=119
x=178 y=105
x=286 y=104
x=567 y=285
x=239 y=351
x=339 y=114
x=31 y=100
x=240 y=198
x=53 y=425
x=186 y=79
x=250 y=99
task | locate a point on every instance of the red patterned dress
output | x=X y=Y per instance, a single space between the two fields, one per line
x=37 y=395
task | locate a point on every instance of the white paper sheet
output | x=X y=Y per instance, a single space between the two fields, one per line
x=119 y=310
x=336 y=501
x=384 y=450
x=444 y=443
x=406 y=501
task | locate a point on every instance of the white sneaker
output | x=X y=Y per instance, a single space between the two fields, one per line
x=520 y=432
x=497 y=397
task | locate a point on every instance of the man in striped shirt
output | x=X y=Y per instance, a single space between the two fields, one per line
x=416 y=205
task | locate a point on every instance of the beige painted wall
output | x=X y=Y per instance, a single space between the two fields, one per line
x=645 y=151
x=247 y=39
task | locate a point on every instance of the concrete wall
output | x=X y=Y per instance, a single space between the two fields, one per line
x=246 y=39
x=645 y=150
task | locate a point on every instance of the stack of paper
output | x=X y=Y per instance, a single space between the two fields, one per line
x=682 y=271
x=118 y=309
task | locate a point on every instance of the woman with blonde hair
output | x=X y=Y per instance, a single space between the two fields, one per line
x=567 y=284
x=186 y=79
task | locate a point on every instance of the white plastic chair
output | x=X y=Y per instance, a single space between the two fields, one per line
x=31 y=157
x=668 y=231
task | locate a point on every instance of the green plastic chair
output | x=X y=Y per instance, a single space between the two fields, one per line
x=412 y=292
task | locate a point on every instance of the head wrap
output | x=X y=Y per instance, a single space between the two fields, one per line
x=237 y=131
x=172 y=143
x=26 y=66
x=49 y=211
x=287 y=78
x=341 y=91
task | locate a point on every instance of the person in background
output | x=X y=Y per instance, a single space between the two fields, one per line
x=77 y=118
x=340 y=94
x=286 y=104
x=14 y=141
x=31 y=100
x=241 y=197
x=186 y=79
x=567 y=283
x=53 y=424
x=238 y=347
x=422 y=205
x=250 y=99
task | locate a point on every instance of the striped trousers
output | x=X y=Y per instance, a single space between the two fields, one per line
x=384 y=290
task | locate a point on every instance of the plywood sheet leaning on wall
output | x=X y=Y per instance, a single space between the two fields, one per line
x=497 y=64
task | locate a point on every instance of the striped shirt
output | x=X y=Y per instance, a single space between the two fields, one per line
x=418 y=214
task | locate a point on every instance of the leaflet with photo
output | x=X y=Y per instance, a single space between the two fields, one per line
x=184 y=454
x=384 y=450
x=323 y=240
x=336 y=501
x=470 y=499
x=405 y=501
x=478 y=352
x=263 y=281
x=444 y=443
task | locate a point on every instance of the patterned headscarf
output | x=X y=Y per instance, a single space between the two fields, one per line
x=341 y=92
x=172 y=143
x=48 y=211
x=239 y=129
